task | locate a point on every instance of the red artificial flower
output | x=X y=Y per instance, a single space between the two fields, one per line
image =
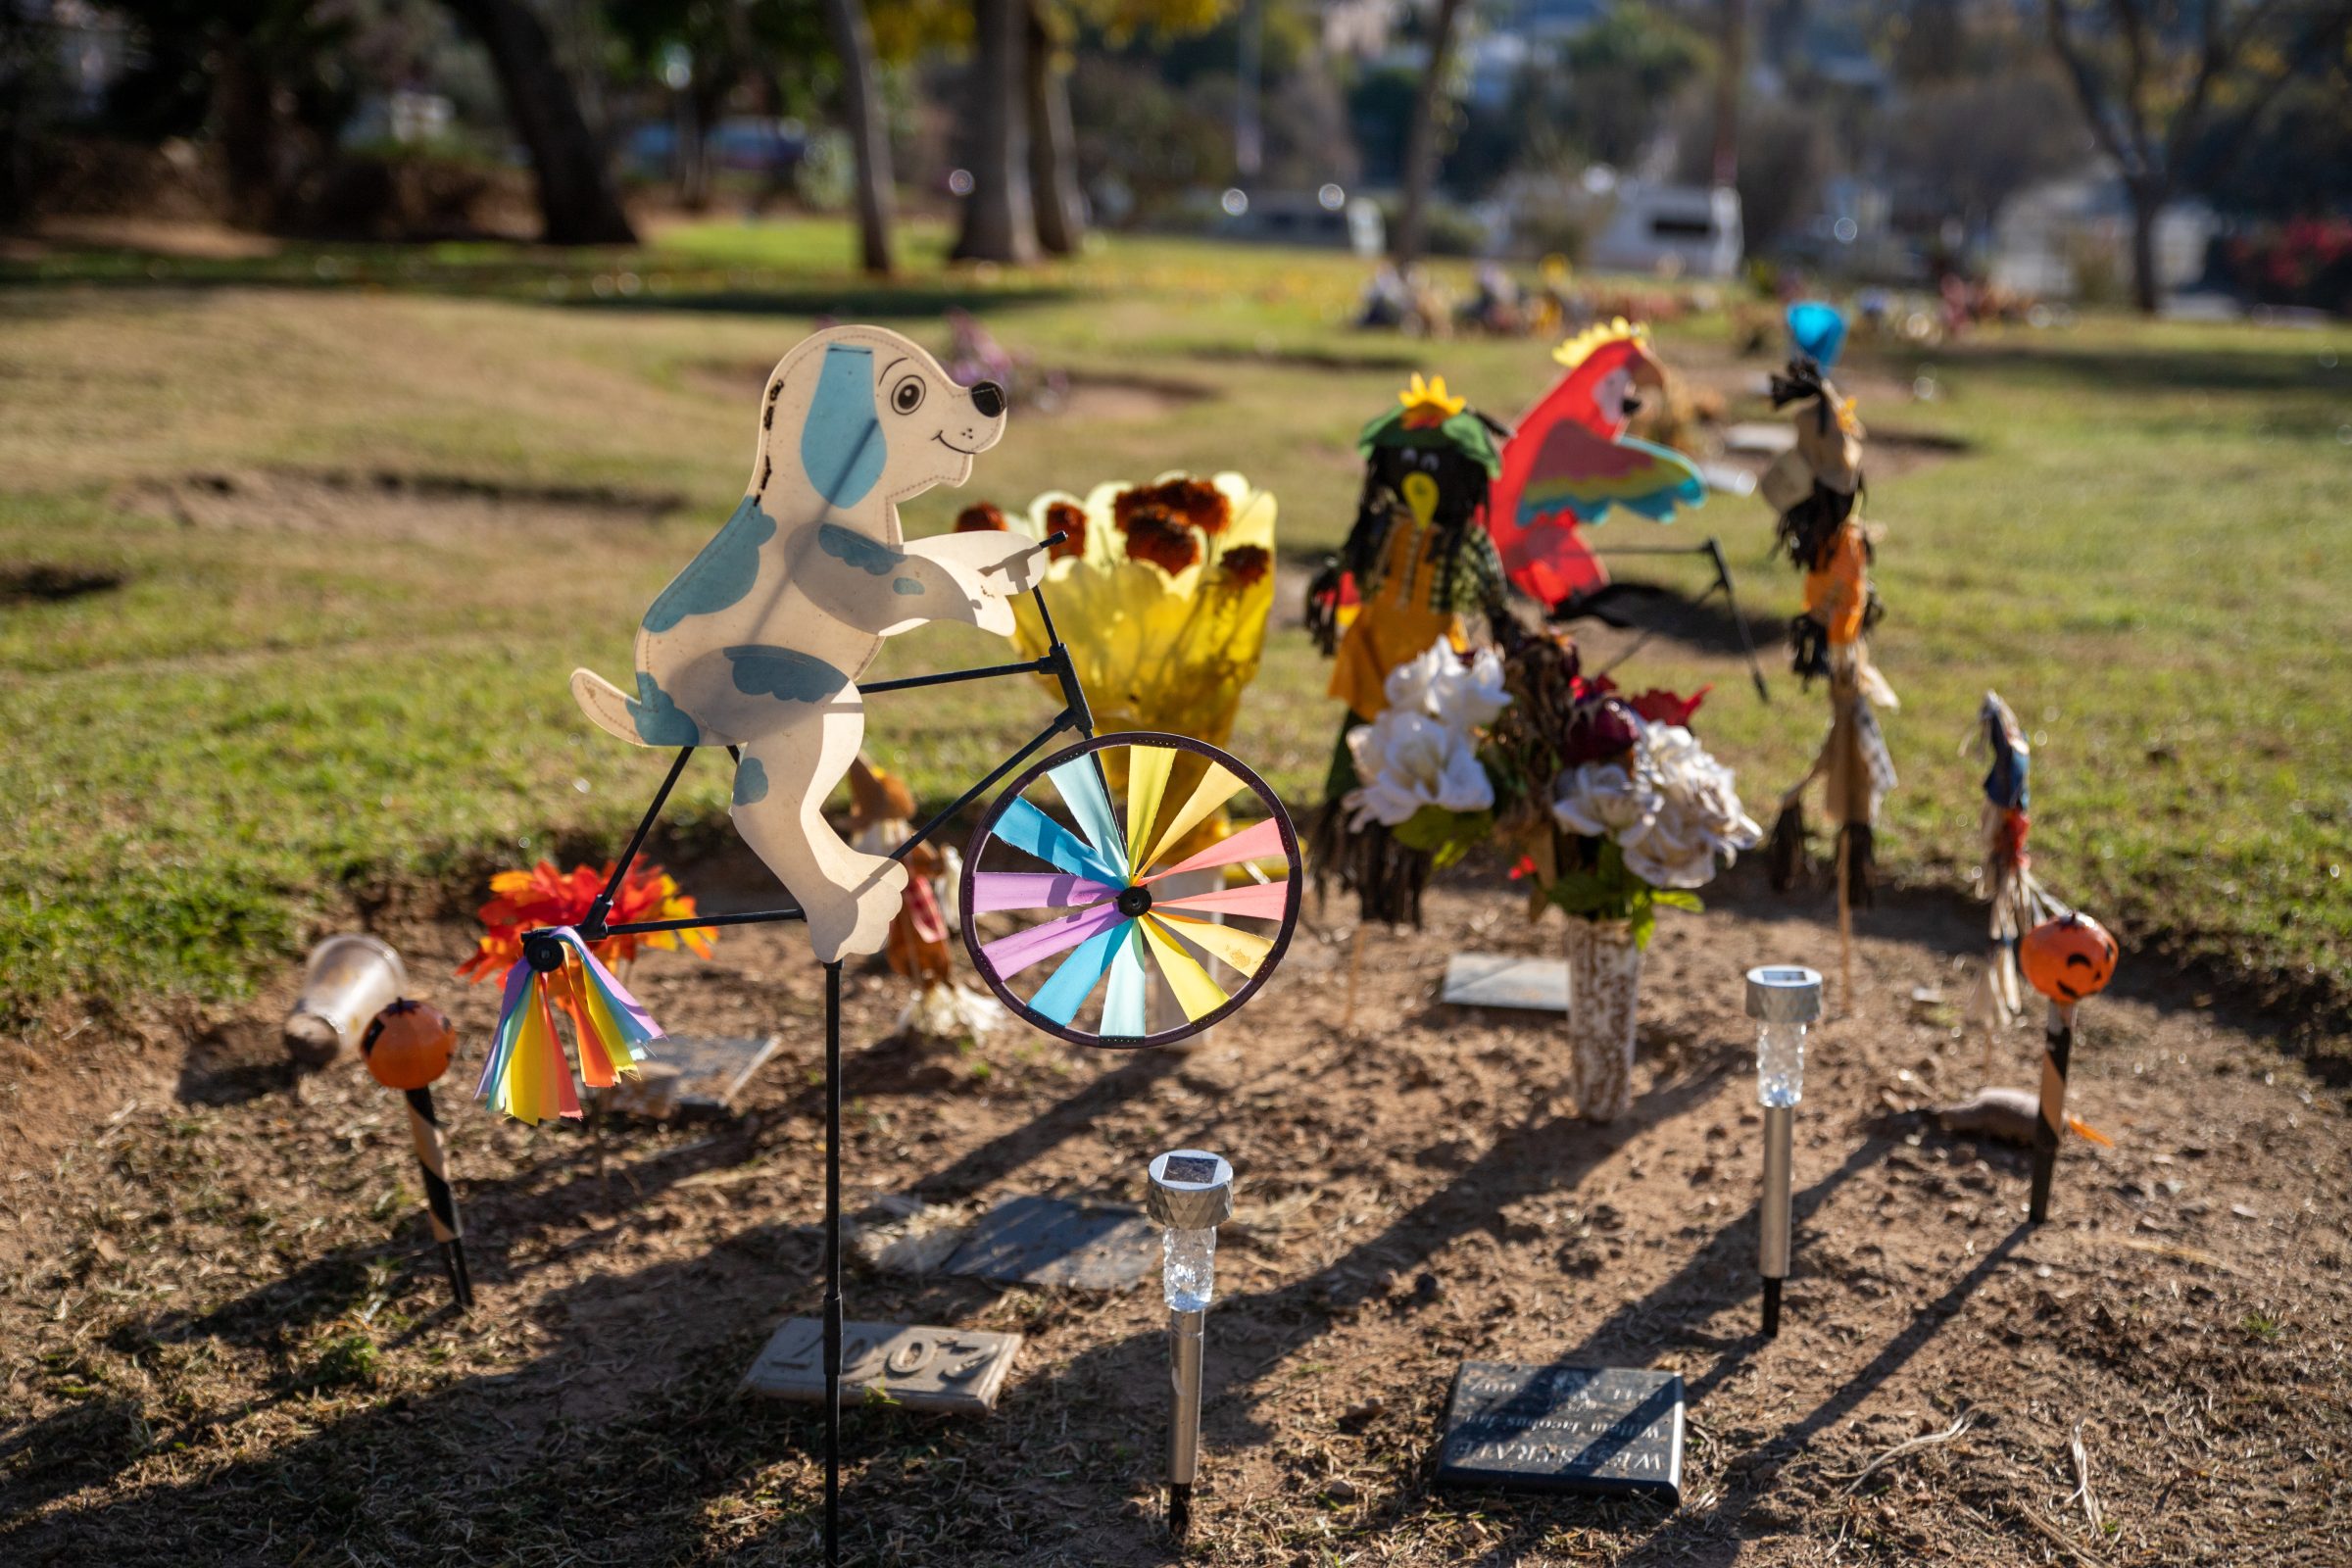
x=1062 y=517
x=1195 y=503
x=1156 y=537
x=544 y=897
x=1245 y=566
x=1662 y=707
x=1598 y=732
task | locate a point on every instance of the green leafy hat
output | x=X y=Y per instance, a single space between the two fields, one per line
x=1427 y=417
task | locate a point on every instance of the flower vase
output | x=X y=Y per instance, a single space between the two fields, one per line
x=1605 y=1003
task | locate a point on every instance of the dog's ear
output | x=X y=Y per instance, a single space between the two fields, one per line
x=842 y=446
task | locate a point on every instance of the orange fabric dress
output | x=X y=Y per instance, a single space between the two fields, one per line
x=1395 y=624
x=1837 y=588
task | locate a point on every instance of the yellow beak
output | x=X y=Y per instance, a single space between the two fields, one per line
x=1421 y=493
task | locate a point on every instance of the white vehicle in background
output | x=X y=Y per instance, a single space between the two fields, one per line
x=1681 y=230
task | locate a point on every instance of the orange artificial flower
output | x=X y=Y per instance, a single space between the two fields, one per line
x=544 y=897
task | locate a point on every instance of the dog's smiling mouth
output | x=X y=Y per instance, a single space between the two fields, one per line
x=953 y=447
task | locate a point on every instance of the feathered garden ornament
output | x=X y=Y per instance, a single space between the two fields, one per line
x=1817 y=488
x=1417 y=569
x=1570 y=461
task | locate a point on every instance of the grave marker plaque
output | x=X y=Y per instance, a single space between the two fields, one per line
x=692 y=1075
x=1497 y=980
x=959 y=1371
x=1608 y=1431
x=1051 y=1240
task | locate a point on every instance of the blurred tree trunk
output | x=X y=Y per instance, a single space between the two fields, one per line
x=1052 y=144
x=694 y=148
x=577 y=202
x=1421 y=141
x=27 y=63
x=245 y=117
x=2147 y=207
x=869 y=138
x=999 y=224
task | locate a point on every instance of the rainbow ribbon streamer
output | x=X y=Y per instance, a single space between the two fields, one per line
x=526 y=1076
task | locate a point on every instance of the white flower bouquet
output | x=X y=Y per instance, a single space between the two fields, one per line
x=1422 y=779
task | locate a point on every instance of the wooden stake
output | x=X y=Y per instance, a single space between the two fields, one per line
x=1355 y=968
x=1846 y=927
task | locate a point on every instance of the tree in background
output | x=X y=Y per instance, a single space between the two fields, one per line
x=999 y=219
x=1621 y=73
x=1025 y=195
x=1052 y=139
x=2295 y=160
x=869 y=132
x=578 y=204
x=266 y=78
x=1960 y=146
x=1421 y=136
x=2158 y=77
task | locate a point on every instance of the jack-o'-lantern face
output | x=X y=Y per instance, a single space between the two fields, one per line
x=409 y=1044
x=2068 y=959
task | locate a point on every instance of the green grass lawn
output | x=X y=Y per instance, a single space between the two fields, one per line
x=2142 y=548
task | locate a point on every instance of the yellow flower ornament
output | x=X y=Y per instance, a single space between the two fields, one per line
x=1164 y=603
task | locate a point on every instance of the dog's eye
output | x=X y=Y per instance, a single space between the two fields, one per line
x=909 y=395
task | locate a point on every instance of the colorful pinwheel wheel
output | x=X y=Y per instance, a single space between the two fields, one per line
x=1065 y=893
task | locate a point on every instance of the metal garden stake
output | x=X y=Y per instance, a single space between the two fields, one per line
x=1782 y=998
x=1191 y=1194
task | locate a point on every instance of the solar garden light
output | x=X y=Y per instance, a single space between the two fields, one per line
x=1782 y=998
x=1191 y=1194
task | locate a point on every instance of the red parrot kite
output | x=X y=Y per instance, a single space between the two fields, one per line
x=1570 y=461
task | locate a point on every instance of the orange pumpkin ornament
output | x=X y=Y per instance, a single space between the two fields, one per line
x=2068 y=959
x=409 y=1046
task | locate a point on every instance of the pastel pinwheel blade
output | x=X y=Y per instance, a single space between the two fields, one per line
x=1218 y=785
x=997 y=891
x=1027 y=828
x=1125 y=1012
x=1147 y=770
x=1081 y=785
x=1261 y=900
x=1065 y=991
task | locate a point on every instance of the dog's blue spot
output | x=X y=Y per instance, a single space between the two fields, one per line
x=784 y=672
x=868 y=556
x=659 y=718
x=842 y=450
x=751 y=782
x=904 y=585
x=721 y=574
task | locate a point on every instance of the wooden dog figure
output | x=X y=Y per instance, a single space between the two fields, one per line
x=759 y=642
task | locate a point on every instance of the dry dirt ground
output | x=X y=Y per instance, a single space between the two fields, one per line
x=227 y=1341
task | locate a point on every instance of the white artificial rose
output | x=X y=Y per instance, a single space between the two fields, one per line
x=1663 y=861
x=1604 y=799
x=1412 y=685
x=1463 y=785
x=1469 y=695
x=1698 y=816
x=1409 y=761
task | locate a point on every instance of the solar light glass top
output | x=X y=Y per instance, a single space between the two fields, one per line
x=1782 y=998
x=1192 y=1194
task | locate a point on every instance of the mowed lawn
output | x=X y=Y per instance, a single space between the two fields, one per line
x=268 y=723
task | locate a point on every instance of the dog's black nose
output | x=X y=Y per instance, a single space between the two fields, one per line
x=988 y=398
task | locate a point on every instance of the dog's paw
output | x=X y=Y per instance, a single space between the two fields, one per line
x=1022 y=571
x=851 y=924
